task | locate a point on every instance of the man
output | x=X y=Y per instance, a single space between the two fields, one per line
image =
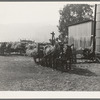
x=57 y=47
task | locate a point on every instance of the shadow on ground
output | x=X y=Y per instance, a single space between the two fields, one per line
x=77 y=71
x=81 y=71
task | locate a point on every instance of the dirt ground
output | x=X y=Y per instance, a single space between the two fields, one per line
x=19 y=73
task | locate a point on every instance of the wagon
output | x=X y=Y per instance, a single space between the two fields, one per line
x=39 y=56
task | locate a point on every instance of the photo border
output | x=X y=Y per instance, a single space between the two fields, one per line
x=40 y=95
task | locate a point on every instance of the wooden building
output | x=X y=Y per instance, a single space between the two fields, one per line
x=81 y=34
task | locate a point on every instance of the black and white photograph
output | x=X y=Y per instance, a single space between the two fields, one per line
x=49 y=46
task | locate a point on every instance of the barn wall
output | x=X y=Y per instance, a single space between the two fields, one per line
x=80 y=34
x=98 y=29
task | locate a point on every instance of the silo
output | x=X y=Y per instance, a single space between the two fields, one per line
x=98 y=28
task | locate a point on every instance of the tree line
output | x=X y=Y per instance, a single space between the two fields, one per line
x=73 y=13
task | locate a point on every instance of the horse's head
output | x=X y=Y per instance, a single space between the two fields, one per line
x=67 y=49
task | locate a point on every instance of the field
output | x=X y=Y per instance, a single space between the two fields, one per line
x=19 y=73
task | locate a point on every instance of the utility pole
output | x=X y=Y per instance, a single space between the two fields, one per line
x=94 y=35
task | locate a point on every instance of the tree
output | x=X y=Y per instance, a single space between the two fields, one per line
x=73 y=13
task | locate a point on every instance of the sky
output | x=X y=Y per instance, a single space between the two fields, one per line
x=29 y=20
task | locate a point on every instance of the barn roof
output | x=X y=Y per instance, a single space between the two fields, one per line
x=81 y=22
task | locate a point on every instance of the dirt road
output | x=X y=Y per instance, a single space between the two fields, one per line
x=19 y=73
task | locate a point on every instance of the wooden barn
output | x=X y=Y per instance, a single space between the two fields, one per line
x=81 y=34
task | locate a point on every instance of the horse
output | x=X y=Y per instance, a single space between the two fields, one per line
x=67 y=56
x=47 y=51
x=51 y=52
x=30 y=49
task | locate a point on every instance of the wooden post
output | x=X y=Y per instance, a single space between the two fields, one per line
x=94 y=41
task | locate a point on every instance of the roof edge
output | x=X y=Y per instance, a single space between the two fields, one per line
x=80 y=22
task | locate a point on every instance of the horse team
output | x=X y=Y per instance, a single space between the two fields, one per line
x=56 y=55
